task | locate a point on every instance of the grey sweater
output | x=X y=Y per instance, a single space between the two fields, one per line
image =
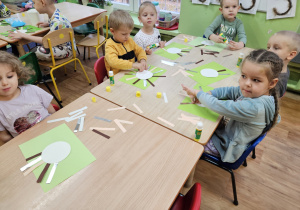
x=229 y=29
x=248 y=118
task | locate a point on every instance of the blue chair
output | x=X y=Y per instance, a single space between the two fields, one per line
x=233 y=166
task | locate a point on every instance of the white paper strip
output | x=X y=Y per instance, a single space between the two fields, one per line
x=51 y=173
x=120 y=125
x=102 y=129
x=153 y=69
x=126 y=122
x=138 y=108
x=78 y=110
x=71 y=118
x=168 y=63
x=59 y=119
x=31 y=163
x=165 y=121
x=100 y=118
x=77 y=114
x=113 y=109
x=145 y=83
x=131 y=78
x=165 y=97
x=81 y=124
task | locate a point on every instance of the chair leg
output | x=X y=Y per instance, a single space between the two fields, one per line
x=235 y=202
x=65 y=70
x=89 y=55
x=83 y=53
x=245 y=163
x=55 y=86
x=253 y=153
x=47 y=86
x=78 y=51
x=84 y=71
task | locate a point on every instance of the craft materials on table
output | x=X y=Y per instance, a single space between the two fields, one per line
x=138 y=108
x=198 y=131
x=199 y=41
x=119 y=124
x=73 y=116
x=77 y=159
x=24 y=29
x=171 y=51
x=166 y=122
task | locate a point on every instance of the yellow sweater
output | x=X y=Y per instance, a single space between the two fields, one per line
x=121 y=56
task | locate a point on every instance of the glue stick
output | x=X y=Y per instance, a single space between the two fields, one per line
x=225 y=40
x=111 y=78
x=198 y=131
x=153 y=46
x=240 y=59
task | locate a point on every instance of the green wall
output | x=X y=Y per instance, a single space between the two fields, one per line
x=194 y=19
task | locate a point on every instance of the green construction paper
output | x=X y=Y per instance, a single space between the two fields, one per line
x=140 y=84
x=204 y=81
x=78 y=158
x=29 y=28
x=198 y=110
x=171 y=56
x=216 y=47
x=204 y=88
x=4 y=23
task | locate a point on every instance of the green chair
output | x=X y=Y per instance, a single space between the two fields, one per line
x=30 y=60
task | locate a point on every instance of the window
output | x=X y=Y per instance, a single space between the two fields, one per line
x=133 y=5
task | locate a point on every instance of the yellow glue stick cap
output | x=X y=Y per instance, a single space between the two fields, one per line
x=158 y=94
x=108 y=89
x=94 y=99
x=138 y=94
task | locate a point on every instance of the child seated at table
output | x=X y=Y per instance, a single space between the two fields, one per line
x=4 y=11
x=286 y=44
x=148 y=35
x=252 y=107
x=56 y=21
x=21 y=106
x=228 y=25
x=121 y=52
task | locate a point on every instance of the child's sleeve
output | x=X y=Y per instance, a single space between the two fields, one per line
x=44 y=96
x=230 y=93
x=111 y=56
x=139 y=52
x=213 y=26
x=4 y=11
x=241 y=32
x=139 y=41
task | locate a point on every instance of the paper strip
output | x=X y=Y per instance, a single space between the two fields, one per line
x=120 y=125
x=30 y=164
x=81 y=124
x=102 y=129
x=102 y=134
x=158 y=71
x=126 y=122
x=51 y=173
x=165 y=121
x=151 y=82
x=78 y=110
x=43 y=173
x=168 y=62
x=77 y=114
x=77 y=125
x=145 y=83
x=136 y=81
x=59 y=119
x=154 y=69
x=113 y=109
x=165 y=97
x=75 y=118
x=33 y=156
x=100 y=118
x=28 y=171
x=138 y=108
x=130 y=78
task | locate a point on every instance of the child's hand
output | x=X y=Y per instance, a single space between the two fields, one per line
x=42 y=24
x=162 y=44
x=148 y=51
x=216 y=38
x=192 y=94
x=235 y=45
x=16 y=35
x=140 y=66
x=144 y=63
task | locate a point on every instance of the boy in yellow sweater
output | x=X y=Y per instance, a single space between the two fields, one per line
x=121 y=52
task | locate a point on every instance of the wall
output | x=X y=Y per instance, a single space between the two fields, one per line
x=194 y=19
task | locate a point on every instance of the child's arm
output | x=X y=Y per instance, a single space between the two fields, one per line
x=4 y=11
x=19 y=35
x=209 y=32
x=242 y=37
x=5 y=136
x=51 y=109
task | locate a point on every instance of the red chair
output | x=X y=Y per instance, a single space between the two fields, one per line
x=100 y=70
x=55 y=107
x=191 y=201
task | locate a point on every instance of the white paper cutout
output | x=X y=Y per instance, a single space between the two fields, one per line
x=281 y=6
x=199 y=2
x=144 y=75
x=174 y=50
x=209 y=73
x=208 y=42
x=215 y=2
x=247 y=4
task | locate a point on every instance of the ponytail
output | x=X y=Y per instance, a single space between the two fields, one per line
x=275 y=95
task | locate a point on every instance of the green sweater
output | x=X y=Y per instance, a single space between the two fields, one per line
x=229 y=29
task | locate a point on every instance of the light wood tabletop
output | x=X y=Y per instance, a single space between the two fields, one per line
x=125 y=95
x=143 y=168
x=77 y=15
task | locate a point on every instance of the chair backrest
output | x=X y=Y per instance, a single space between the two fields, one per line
x=93 y=5
x=31 y=61
x=58 y=37
x=101 y=19
x=100 y=70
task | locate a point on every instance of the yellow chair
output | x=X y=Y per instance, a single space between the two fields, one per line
x=55 y=38
x=96 y=40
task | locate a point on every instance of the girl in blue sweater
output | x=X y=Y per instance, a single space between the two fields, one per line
x=252 y=107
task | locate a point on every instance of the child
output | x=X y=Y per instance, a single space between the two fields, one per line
x=4 y=11
x=229 y=25
x=286 y=44
x=21 y=106
x=148 y=35
x=120 y=50
x=56 y=21
x=252 y=107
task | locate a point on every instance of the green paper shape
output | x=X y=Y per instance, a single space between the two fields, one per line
x=29 y=28
x=140 y=84
x=204 y=81
x=218 y=47
x=198 y=110
x=172 y=56
x=79 y=157
x=204 y=88
x=4 y=23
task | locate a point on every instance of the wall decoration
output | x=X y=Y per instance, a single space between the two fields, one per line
x=204 y=2
x=249 y=6
x=215 y=2
x=281 y=9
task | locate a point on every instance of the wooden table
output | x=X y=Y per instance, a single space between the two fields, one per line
x=153 y=107
x=3 y=43
x=77 y=14
x=144 y=168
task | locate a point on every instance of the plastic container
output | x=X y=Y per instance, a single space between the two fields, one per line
x=167 y=24
x=111 y=78
x=198 y=131
x=168 y=16
x=156 y=4
x=240 y=59
x=161 y=16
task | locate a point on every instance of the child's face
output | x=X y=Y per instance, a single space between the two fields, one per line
x=148 y=16
x=39 y=5
x=279 y=45
x=254 y=81
x=230 y=9
x=8 y=83
x=122 y=34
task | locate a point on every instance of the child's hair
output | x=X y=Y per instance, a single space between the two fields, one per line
x=146 y=4
x=221 y=2
x=293 y=39
x=22 y=71
x=272 y=65
x=120 y=18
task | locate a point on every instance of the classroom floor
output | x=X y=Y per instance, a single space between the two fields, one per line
x=271 y=181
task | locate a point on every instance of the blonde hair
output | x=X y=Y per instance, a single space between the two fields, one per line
x=221 y=2
x=120 y=18
x=23 y=72
x=292 y=38
x=146 y=4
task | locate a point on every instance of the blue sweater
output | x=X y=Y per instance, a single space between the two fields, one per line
x=248 y=118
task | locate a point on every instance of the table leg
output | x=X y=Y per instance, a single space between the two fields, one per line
x=20 y=49
x=190 y=179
